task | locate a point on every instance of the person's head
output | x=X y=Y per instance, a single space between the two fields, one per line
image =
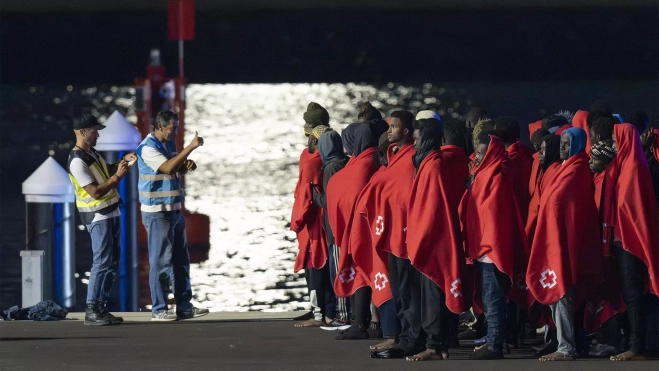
x=640 y=121
x=536 y=138
x=473 y=116
x=484 y=139
x=383 y=148
x=86 y=130
x=549 y=150
x=429 y=131
x=508 y=125
x=573 y=141
x=166 y=125
x=455 y=133
x=600 y=108
x=401 y=127
x=601 y=154
x=366 y=112
x=314 y=116
x=553 y=123
x=602 y=129
x=330 y=147
x=316 y=132
x=485 y=124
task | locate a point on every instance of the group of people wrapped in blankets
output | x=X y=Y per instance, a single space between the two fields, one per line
x=407 y=223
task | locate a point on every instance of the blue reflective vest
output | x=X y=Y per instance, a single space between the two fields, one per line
x=155 y=187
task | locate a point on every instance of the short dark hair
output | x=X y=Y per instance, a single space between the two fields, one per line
x=603 y=127
x=368 y=112
x=455 y=133
x=484 y=137
x=640 y=120
x=406 y=117
x=536 y=137
x=508 y=125
x=164 y=117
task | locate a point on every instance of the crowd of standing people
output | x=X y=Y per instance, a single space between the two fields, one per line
x=408 y=226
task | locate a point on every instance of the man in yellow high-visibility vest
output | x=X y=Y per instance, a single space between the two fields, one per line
x=98 y=202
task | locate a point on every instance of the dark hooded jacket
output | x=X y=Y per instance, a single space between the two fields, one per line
x=330 y=147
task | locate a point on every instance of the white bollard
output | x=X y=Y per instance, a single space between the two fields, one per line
x=32 y=277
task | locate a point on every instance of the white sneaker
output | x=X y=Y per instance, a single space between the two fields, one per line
x=164 y=316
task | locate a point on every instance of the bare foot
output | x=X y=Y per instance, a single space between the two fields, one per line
x=557 y=356
x=387 y=344
x=426 y=355
x=310 y=323
x=628 y=356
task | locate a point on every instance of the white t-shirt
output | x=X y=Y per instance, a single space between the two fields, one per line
x=85 y=177
x=154 y=159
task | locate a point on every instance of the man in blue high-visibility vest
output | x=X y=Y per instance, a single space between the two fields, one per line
x=161 y=167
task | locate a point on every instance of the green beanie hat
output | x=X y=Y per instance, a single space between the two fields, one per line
x=316 y=114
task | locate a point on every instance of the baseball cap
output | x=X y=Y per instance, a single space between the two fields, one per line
x=88 y=122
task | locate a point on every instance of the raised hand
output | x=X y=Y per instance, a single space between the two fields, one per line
x=197 y=141
x=122 y=169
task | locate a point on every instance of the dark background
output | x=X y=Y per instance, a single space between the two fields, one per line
x=337 y=45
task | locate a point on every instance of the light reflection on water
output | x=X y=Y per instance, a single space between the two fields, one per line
x=247 y=172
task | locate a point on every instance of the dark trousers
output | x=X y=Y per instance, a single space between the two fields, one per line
x=633 y=273
x=494 y=286
x=360 y=301
x=389 y=319
x=319 y=284
x=436 y=318
x=406 y=291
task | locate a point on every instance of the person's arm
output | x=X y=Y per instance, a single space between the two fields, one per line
x=172 y=165
x=128 y=157
x=97 y=191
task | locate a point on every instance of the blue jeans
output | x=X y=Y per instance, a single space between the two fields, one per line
x=169 y=259
x=494 y=285
x=105 y=248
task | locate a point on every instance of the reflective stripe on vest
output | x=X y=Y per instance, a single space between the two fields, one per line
x=155 y=187
x=86 y=204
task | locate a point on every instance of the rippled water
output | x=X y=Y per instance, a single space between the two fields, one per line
x=247 y=168
x=247 y=172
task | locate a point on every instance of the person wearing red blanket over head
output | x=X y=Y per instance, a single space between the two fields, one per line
x=307 y=219
x=608 y=301
x=434 y=241
x=383 y=205
x=630 y=212
x=495 y=240
x=343 y=189
x=561 y=265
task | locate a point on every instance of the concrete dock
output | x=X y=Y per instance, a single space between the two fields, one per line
x=229 y=341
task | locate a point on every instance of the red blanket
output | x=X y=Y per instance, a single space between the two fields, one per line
x=380 y=221
x=307 y=219
x=629 y=206
x=520 y=166
x=536 y=169
x=434 y=241
x=544 y=179
x=608 y=297
x=579 y=120
x=492 y=223
x=566 y=238
x=342 y=192
x=533 y=127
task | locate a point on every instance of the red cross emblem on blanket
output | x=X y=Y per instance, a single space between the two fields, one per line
x=380 y=281
x=456 y=287
x=548 y=279
x=351 y=275
x=379 y=225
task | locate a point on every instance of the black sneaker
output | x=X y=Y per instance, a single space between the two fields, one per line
x=335 y=325
x=194 y=313
x=485 y=354
x=113 y=319
x=94 y=318
x=374 y=331
x=353 y=333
